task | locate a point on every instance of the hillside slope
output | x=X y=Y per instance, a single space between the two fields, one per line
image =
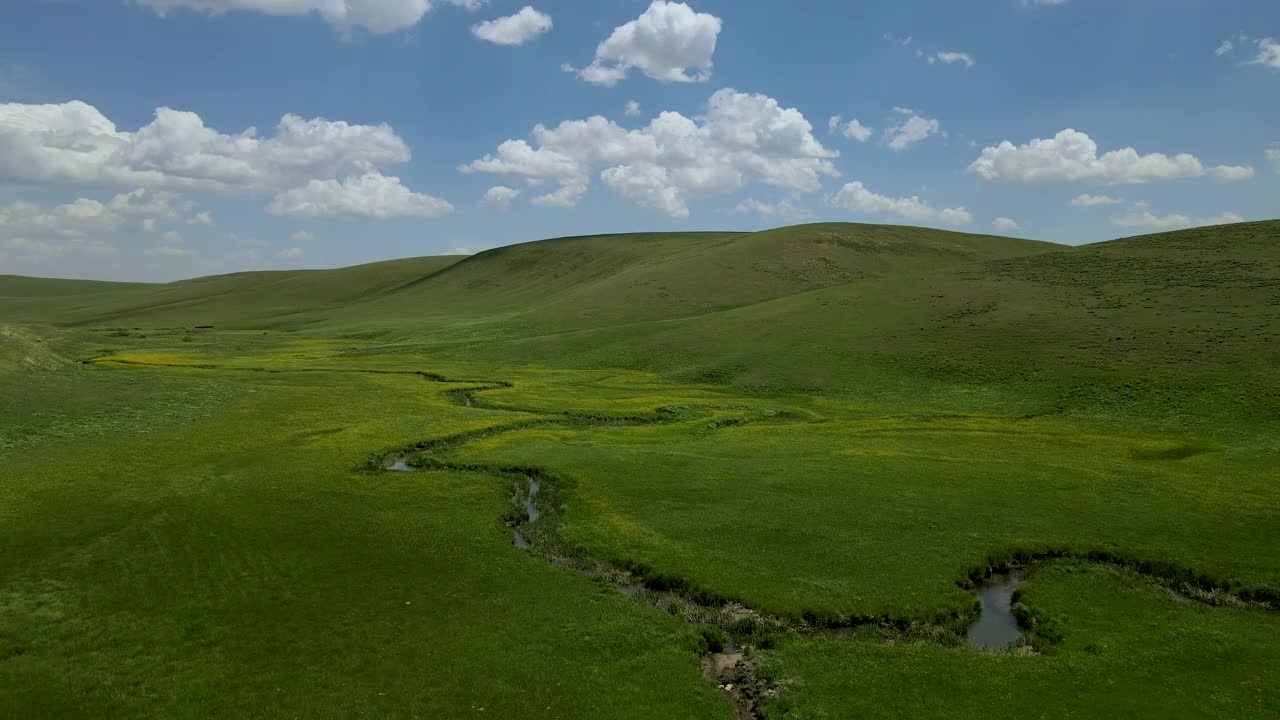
x=574 y=283
x=247 y=299
x=545 y=286
x=19 y=286
x=1187 y=321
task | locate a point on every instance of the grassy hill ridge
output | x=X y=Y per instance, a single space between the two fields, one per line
x=1182 y=317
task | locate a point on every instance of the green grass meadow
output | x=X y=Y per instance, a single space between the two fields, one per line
x=835 y=426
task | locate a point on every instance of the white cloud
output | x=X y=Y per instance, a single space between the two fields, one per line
x=499 y=197
x=1087 y=200
x=647 y=185
x=782 y=208
x=669 y=42
x=1273 y=154
x=168 y=251
x=1268 y=53
x=378 y=16
x=371 y=195
x=74 y=143
x=741 y=139
x=1004 y=224
x=566 y=197
x=1140 y=216
x=1072 y=156
x=633 y=108
x=76 y=219
x=1225 y=48
x=1034 y=3
x=518 y=29
x=1232 y=173
x=173 y=237
x=948 y=58
x=145 y=203
x=84 y=221
x=302 y=236
x=204 y=218
x=853 y=129
x=33 y=248
x=293 y=253
x=909 y=130
x=857 y=197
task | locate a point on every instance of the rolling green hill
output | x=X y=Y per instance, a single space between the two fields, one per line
x=551 y=285
x=609 y=280
x=18 y=286
x=247 y=299
x=807 y=442
x=1190 y=318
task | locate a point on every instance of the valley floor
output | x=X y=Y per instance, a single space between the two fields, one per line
x=200 y=524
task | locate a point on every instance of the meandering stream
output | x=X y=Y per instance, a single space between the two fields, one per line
x=995 y=629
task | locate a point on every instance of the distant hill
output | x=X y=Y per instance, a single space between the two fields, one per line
x=607 y=280
x=1182 y=321
x=18 y=286
x=248 y=299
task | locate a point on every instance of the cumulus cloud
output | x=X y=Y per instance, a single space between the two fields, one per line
x=170 y=251
x=633 y=108
x=1268 y=53
x=1004 y=224
x=1087 y=200
x=853 y=129
x=72 y=220
x=518 y=29
x=1267 y=50
x=741 y=139
x=1141 y=216
x=909 y=129
x=301 y=163
x=499 y=197
x=371 y=195
x=302 y=236
x=1232 y=173
x=86 y=217
x=948 y=58
x=857 y=197
x=566 y=197
x=782 y=208
x=1072 y=156
x=173 y=237
x=293 y=253
x=203 y=218
x=647 y=185
x=144 y=203
x=1273 y=154
x=670 y=42
x=33 y=248
x=378 y=16
x=75 y=143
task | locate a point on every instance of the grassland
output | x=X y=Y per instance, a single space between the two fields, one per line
x=830 y=428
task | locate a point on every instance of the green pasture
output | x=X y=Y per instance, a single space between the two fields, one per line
x=835 y=426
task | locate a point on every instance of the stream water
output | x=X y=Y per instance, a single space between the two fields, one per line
x=398 y=464
x=996 y=627
x=531 y=509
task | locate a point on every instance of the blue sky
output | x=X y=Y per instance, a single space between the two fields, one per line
x=405 y=113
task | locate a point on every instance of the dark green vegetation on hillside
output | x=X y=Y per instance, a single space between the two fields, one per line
x=835 y=425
